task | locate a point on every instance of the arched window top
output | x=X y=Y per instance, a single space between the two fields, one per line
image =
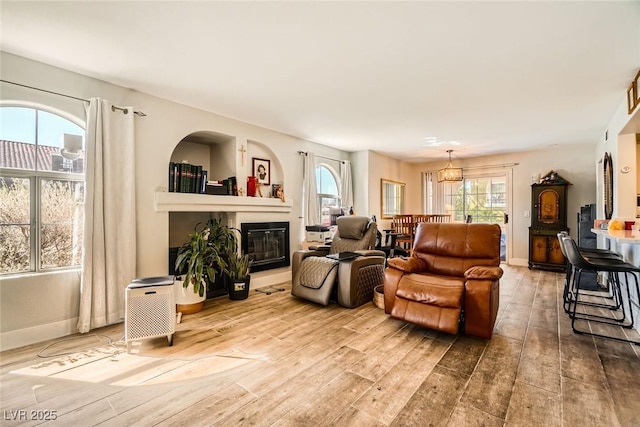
x=326 y=180
x=34 y=139
x=41 y=188
x=328 y=192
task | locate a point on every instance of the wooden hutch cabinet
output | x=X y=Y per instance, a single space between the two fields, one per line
x=548 y=218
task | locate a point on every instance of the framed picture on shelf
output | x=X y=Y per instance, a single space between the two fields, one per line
x=277 y=192
x=262 y=170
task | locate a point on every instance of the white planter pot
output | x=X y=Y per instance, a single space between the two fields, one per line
x=188 y=301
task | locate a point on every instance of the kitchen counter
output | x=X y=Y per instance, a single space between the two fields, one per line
x=620 y=236
x=626 y=243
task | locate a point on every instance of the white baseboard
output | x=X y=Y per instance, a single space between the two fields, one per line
x=522 y=262
x=35 y=334
x=260 y=281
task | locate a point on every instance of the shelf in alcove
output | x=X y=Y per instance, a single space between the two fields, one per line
x=189 y=202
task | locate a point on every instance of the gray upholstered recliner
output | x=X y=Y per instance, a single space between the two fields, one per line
x=314 y=275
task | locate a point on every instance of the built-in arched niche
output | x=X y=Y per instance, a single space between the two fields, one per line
x=215 y=152
x=259 y=151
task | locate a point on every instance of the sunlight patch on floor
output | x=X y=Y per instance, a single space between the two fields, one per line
x=98 y=365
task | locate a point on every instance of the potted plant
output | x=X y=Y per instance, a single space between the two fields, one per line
x=222 y=240
x=237 y=269
x=195 y=259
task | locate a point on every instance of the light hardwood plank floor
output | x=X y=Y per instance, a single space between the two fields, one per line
x=277 y=360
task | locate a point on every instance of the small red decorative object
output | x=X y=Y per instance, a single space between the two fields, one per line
x=252 y=182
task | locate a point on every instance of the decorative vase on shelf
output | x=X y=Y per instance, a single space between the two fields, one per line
x=252 y=183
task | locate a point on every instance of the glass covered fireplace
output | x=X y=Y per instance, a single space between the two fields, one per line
x=267 y=243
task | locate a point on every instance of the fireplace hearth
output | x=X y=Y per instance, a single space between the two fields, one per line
x=266 y=243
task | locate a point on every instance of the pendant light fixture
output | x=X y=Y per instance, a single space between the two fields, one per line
x=449 y=173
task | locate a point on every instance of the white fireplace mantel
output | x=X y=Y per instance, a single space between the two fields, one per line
x=189 y=202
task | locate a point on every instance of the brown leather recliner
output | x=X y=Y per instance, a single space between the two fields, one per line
x=450 y=279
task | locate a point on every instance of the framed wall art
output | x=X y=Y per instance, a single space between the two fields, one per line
x=631 y=98
x=636 y=87
x=633 y=94
x=608 y=186
x=262 y=170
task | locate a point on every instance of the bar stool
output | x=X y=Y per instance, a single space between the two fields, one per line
x=615 y=268
x=606 y=292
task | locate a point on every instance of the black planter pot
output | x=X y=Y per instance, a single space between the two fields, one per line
x=239 y=289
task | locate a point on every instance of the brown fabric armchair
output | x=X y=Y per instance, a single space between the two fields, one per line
x=450 y=280
x=314 y=276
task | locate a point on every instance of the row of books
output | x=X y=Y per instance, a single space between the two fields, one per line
x=186 y=178
x=226 y=187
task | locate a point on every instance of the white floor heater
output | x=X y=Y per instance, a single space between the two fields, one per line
x=150 y=309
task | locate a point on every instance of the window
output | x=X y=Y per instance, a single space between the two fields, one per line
x=454 y=200
x=484 y=198
x=41 y=190
x=328 y=195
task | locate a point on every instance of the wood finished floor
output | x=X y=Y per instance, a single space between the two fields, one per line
x=277 y=360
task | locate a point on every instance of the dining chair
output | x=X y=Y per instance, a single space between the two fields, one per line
x=404 y=227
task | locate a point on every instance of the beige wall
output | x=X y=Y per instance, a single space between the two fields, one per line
x=382 y=167
x=360 y=175
x=575 y=163
x=46 y=305
x=621 y=144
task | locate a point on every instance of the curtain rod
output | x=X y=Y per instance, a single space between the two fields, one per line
x=503 y=165
x=113 y=107
x=304 y=153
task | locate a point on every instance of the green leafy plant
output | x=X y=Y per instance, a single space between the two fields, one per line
x=222 y=240
x=211 y=251
x=238 y=266
x=197 y=257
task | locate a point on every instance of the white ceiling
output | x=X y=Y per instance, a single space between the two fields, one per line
x=491 y=76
